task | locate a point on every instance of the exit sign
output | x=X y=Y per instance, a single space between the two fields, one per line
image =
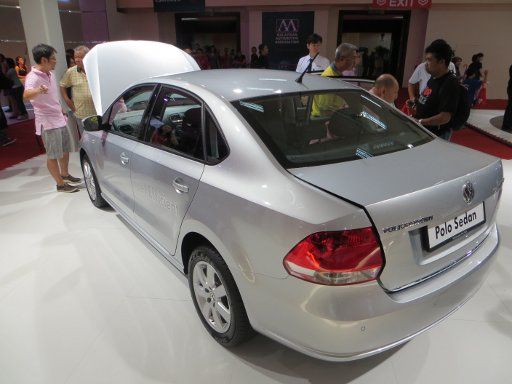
x=402 y=4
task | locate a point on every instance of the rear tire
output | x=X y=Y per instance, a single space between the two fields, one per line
x=91 y=182
x=216 y=298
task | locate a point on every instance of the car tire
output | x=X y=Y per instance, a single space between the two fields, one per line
x=223 y=315
x=91 y=183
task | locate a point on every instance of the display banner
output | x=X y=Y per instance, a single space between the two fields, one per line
x=402 y=4
x=178 y=5
x=285 y=35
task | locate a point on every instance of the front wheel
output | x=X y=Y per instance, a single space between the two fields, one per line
x=216 y=298
x=91 y=182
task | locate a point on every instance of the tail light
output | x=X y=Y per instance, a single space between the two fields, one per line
x=336 y=258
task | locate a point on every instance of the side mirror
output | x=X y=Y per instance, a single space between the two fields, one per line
x=92 y=123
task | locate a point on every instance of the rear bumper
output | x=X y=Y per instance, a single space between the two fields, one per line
x=353 y=322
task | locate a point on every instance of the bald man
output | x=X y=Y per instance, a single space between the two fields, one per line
x=386 y=87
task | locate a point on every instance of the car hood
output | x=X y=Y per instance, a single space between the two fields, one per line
x=112 y=67
x=376 y=179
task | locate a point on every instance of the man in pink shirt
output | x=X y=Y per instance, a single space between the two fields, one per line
x=42 y=91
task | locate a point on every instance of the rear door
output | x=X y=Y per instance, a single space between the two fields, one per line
x=166 y=169
x=126 y=122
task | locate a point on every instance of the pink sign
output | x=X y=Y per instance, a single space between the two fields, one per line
x=402 y=4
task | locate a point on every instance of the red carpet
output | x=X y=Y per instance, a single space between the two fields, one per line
x=473 y=139
x=493 y=104
x=487 y=104
x=25 y=146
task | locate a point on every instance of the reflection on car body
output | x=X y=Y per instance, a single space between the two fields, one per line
x=317 y=230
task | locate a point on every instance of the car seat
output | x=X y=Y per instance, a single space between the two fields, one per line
x=190 y=137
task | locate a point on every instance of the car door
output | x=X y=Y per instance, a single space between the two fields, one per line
x=126 y=128
x=167 y=168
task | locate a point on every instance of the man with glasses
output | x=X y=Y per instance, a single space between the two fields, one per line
x=42 y=91
x=80 y=103
x=345 y=58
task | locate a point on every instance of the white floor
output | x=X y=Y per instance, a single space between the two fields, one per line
x=480 y=119
x=84 y=300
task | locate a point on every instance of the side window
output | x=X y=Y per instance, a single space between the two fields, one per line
x=176 y=123
x=128 y=111
x=216 y=148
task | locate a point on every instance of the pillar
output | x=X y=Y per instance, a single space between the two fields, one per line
x=41 y=24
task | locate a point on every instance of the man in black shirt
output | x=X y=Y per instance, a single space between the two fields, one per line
x=437 y=104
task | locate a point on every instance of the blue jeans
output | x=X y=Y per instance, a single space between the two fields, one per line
x=447 y=135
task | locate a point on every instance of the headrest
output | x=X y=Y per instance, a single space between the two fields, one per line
x=192 y=116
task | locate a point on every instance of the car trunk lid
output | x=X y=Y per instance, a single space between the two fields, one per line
x=405 y=192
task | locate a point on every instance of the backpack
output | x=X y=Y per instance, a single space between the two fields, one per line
x=461 y=115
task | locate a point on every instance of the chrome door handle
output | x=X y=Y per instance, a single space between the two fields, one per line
x=178 y=186
x=124 y=159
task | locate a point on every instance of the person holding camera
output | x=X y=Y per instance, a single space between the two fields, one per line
x=438 y=102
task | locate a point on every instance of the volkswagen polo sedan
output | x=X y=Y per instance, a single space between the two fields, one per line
x=311 y=212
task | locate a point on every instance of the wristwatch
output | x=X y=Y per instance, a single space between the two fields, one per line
x=420 y=121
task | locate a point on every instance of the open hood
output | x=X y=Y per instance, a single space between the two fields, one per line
x=112 y=67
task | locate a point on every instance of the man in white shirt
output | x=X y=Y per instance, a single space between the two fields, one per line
x=313 y=42
x=419 y=79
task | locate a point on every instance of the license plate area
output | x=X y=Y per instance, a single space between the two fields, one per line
x=436 y=236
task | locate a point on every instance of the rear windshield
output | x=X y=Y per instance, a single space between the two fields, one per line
x=328 y=127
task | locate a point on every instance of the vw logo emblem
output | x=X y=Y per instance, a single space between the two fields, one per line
x=468 y=192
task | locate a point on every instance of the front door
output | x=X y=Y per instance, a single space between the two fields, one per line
x=126 y=118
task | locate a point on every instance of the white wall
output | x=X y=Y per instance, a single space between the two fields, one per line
x=477 y=28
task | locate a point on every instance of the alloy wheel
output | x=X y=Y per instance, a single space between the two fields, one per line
x=211 y=295
x=89 y=181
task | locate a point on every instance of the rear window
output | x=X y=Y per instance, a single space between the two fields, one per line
x=329 y=127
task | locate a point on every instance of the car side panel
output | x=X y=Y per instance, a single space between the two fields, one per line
x=115 y=153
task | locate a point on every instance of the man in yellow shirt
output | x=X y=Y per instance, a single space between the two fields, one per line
x=80 y=103
x=344 y=59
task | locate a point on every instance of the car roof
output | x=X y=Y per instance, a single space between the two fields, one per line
x=239 y=84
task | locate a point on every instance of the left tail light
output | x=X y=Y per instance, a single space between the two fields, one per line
x=337 y=258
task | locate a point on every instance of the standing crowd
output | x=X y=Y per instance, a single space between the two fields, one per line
x=440 y=94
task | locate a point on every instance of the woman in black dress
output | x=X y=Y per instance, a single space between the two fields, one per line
x=507 y=119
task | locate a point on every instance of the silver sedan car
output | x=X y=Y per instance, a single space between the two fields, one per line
x=311 y=212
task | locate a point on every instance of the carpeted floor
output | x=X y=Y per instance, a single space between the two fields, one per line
x=25 y=147
x=493 y=104
x=473 y=139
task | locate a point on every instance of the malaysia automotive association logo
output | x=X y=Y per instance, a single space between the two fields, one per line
x=468 y=192
x=287 y=25
x=287 y=32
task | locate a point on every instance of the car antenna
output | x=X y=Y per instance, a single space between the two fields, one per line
x=308 y=68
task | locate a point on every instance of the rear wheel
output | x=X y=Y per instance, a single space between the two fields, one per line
x=91 y=182
x=216 y=298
